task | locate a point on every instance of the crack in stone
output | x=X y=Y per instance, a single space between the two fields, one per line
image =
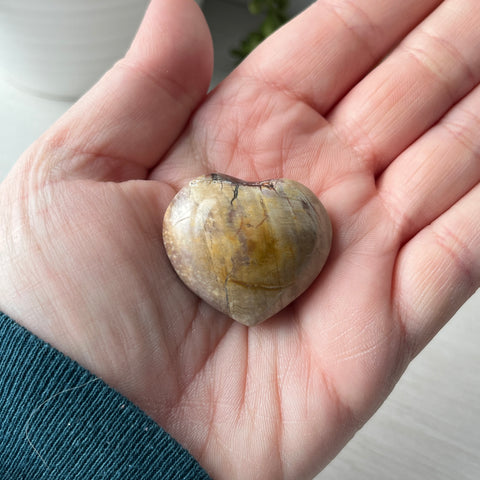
x=235 y=194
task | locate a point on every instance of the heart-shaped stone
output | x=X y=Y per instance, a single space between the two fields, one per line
x=247 y=249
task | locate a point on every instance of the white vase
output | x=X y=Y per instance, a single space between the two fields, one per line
x=59 y=48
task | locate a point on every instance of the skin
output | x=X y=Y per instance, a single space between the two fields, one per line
x=390 y=147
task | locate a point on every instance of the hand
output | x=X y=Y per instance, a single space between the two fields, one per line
x=390 y=147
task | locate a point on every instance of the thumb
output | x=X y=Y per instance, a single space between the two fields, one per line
x=129 y=119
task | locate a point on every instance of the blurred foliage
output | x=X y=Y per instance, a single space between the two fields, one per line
x=275 y=15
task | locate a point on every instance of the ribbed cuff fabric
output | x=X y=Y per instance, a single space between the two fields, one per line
x=58 y=421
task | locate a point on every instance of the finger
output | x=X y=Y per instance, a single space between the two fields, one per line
x=123 y=126
x=314 y=58
x=436 y=171
x=322 y=53
x=436 y=65
x=438 y=270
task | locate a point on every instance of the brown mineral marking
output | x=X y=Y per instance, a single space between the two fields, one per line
x=261 y=222
x=227 y=301
x=258 y=285
x=262 y=203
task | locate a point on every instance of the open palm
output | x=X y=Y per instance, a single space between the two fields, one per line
x=390 y=148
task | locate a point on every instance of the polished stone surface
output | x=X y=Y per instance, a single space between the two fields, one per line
x=247 y=249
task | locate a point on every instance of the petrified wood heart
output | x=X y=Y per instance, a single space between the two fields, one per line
x=247 y=249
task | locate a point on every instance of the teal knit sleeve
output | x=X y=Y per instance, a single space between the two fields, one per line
x=58 y=421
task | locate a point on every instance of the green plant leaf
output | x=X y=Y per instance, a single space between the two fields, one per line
x=256 y=7
x=275 y=12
